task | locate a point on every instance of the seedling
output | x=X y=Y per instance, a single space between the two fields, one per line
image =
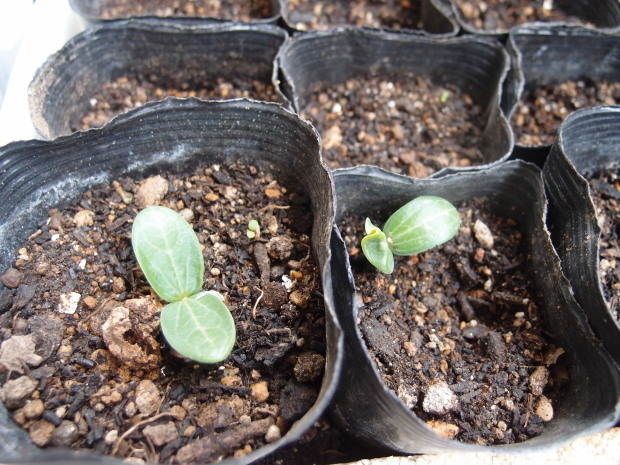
x=425 y=222
x=196 y=324
x=253 y=229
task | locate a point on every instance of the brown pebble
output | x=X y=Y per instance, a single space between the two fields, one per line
x=443 y=429
x=161 y=434
x=260 y=391
x=90 y=302
x=15 y=392
x=65 y=434
x=41 y=432
x=12 y=278
x=147 y=397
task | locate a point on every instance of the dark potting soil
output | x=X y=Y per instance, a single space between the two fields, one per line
x=456 y=333
x=126 y=93
x=401 y=122
x=605 y=193
x=501 y=15
x=542 y=109
x=245 y=10
x=319 y=15
x=83 y=363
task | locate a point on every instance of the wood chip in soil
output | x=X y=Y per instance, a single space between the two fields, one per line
x=605 y=193
x=224 y=9
x=542 y=109
x=457 y=335
x=128 y=92
x=307 y=15
x=402 y=122
x=75 y=377
x=501 y=15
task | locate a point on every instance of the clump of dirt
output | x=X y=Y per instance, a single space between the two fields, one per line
x=456 y=332
x=128 y=92
x=542 y=109
x=319 y=15
x=84 y=361
x=400 y=122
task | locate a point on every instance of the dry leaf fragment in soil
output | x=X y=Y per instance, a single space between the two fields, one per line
x=542 y=109
x=108 y=381
x=401 y=122
x=456 y=334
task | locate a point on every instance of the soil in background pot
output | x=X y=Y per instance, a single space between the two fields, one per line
x=226 y=9
x=541 y=109
x=93 y=375
x=316 y=15
x=401 y=122
x=129 y=92
x=456 y=334
x=605 y=193
x=502 y=15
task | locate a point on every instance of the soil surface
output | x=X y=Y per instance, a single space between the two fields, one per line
x=542 y=109
x=501 y=15
x=401 y=122
x=320 y=15
x=83 y=363
x=126 y=93
x=456 y=332
x=223 y=9
x=605 y=193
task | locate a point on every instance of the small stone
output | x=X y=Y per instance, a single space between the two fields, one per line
x=538 y=380
x=189 y=431
x=410 y=348
x=260 y=391
x=187 y=214
x=483 y=235
x=443 y=429
x=84 y=218
x=33 y=409
x=118 y=285
x=273 y=434
x=90 y=302
x=178 y=412
x=151 y=191
x=17 y=350
x=15 y=392
x=211 y=197
x=130 y=409
x=272 y=193
x=12 y=278
x=308 y=366
x=111 y=436
x=148 y=397
x=65 y=434
x=161 y=434
x=41 y=432
x=280 y=247
x=299 y=298
x=68 y=303
x=544 y=409
x=439 y=399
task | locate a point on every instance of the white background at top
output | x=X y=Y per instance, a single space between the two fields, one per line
x=29 y=33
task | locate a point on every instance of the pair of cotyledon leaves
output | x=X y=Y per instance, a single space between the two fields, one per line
x=196 y=324
x=425 y=222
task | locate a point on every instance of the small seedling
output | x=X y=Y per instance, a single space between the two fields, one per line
x=196 y=324
x=425 y=222
x=445 y=95
x=253 y=229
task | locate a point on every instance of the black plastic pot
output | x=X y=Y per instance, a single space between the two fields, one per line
x=432 y=18
x=365 y=408
x=599 y=13
x=587 y=144
x=101 y=10
x=176 y=135
x=550 y=55
x=172 y=50
x=474 y=65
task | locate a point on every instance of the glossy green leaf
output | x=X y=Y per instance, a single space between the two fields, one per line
x=168 y=252
x=201 y=328
x=425 y=222
x=375 y=248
